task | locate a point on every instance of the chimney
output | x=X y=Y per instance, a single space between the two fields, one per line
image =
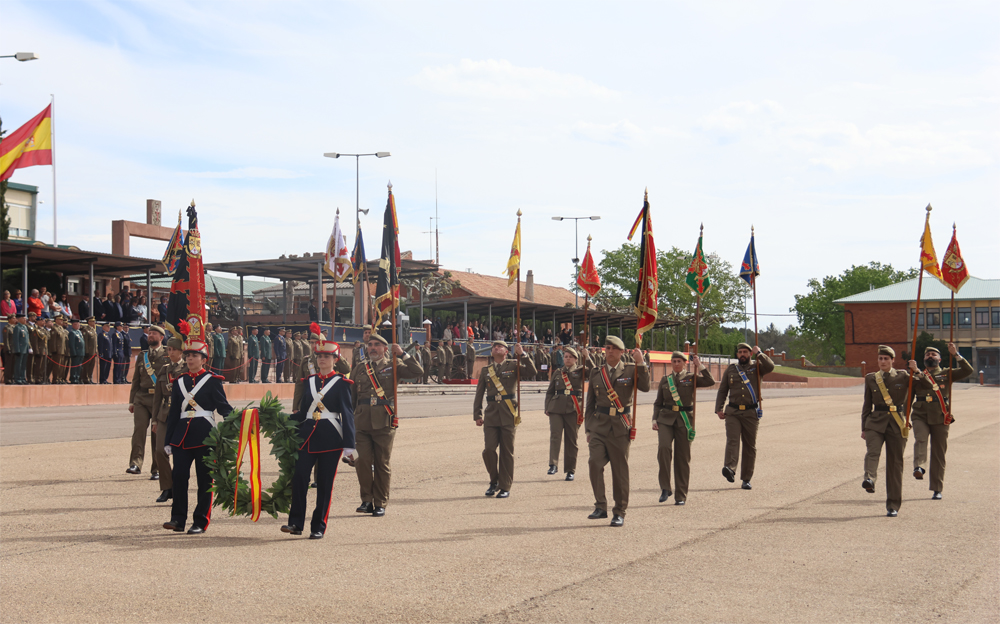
x=529 y=286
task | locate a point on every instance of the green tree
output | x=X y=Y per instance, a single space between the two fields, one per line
x=820 y=332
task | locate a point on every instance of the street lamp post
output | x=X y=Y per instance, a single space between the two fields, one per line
x=576 y=243
x=22 y=56
x=357 y=207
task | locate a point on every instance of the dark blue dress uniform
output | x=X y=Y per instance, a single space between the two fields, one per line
x=104 y=353
x=322 y=446
x=117 y=355
x=187 y=428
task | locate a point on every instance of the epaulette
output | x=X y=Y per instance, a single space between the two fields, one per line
x=217 y=376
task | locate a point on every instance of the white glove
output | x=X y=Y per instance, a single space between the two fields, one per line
x=350 y=453
x=168 y=450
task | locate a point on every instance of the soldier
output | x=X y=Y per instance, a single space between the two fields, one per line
x=241 y=345
x=327 y=428
x=20 y=346
x=58 y=348
x=608 y=423
x=445 y=359
x=104 y=352
x=882 y=424
x=470 y=357
x=171 y=369
x=374 y=400
x=741 y=385
x=426 y=360
x=295 y=354
x=89 y=349
x=231 y=365
x=118 y=353
x=210 y=343
x=359 y=355
x=673 y=420
x=8 y=346
x=931 y=414
x=266 y=355
x=497 y=384
x=280 y=356
x=541 y=363
x=195 y=396
x=75 y=349
x=126 y=352
x=36 y=337
x=253 y=355
x=218 y=352
x=141 y=400
x=308 y=366
x=564 y=407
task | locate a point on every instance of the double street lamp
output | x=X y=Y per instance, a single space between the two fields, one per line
x=357 y=181
x=576 y=242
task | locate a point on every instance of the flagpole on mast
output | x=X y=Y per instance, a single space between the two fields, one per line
x=916 y=317
x=951 y=339
x=517 y=326
x=697 y=340
x=52 y=130
x=394 y=309
x=753 y=285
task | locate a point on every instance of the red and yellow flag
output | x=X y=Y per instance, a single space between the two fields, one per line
x=647 y=288
x=249 y=441
x=29 y=145
x=954 y=271
x=928 y=257
x=588 y=279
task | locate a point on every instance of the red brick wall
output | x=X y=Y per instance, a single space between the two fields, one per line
x=868 y=325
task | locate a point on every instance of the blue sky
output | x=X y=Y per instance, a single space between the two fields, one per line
x=828 y=127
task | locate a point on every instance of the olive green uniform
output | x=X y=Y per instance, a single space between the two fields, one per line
x=498 y=420
x=444 y=359
x=608 y=436
x=880 y=428
x=563 y=415
x=426 y=360
x=39 y=338
x=927 y=419
x=671 y=430
x=374 y=433
x=741 y=413
x=141 y=398
x=89 y=352
x=58 y=347
x=161 y=409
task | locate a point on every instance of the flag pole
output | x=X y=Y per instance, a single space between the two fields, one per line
x=951 y=339
x=916 y=318
x=697 y=333
x=753 y=286
x=52 y=130
x=517 y=326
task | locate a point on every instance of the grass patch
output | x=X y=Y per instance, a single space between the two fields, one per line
x=788 y=370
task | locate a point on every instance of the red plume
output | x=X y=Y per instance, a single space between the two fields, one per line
x=184 y=328
x=314 y=328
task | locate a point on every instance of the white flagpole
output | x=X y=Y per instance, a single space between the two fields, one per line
x=52 y=130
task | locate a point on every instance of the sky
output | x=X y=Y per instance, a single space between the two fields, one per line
x=828 y=127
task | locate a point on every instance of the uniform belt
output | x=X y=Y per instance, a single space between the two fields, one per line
x=930 y=398
x=612 y=410
x=886 y=408
x=199 y=414
x=497 y=398
x=374 y=400
x=679 y=408
x=152 y=390
x=744 y=407
x=576 y=393
x=325 y=415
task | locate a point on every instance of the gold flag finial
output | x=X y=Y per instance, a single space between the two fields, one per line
x=338 y=210
x=751 y=229
x=390 y=186
x=929 y=209
x=518 y=213
x=589 y=238
x=192 y=202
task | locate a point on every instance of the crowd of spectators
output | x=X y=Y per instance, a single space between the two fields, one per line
x=125 y=307
x=501 y=330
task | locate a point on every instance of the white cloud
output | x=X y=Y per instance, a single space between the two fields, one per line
x=502 y=80
x=618 y=133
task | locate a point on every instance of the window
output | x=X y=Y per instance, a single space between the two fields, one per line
x=73 y=286
x=933 y=318
x=995 y=316
x=920 y=317
x=982 y=317
x=946 y=318
x=965 y=317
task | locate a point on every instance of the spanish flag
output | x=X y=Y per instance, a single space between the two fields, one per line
x=29 y=145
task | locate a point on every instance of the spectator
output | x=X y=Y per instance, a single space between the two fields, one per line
x=128 y=313
x=326 y=313
x=83 y=309
x=312 y=311
x=65 y=306
x=140 y=312
x=35 y=304
x=19 y=302
x=7 y=306
x=46 y=302
x=162 y=309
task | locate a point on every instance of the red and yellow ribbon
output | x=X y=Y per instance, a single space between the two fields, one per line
x=249 y=438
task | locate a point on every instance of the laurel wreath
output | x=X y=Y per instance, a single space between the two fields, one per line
x=221 y=460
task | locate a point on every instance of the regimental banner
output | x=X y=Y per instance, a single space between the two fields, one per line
x=172 y=256
x=589 y=280
x=29 y=145
x=514 y=261
x=697 y=275
x=358 y=260
x=187 y=292
x=647 y=287
x=749 y=268
x=387 y=284
x=337 y=262
x=954 y=271
x=928 y=257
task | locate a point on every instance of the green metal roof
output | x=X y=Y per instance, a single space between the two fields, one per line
x=975 y=289
x=226 y=285
x=17 y=186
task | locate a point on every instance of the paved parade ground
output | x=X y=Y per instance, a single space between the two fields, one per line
x=81 y=540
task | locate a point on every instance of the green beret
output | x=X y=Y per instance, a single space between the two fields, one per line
x=931 y=350
x=157 y=328
x=678 y=354
x=886 y=350
x=572 y=351
x=175 y=343
x=744 y=345
x=614 y=341
x=378 y=338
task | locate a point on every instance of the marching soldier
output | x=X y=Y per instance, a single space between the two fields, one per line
x=195 y=396
x=75 y=348
x=266 y=355
x=233 y=356
x=741 y=385
x=608 y=424
x=104 y=352
x=673 y=420
x=931 y=414
x=497 y=384
x=374 y=400
x=882 y=424
x=327 y=428
x=89 y=349
x=253 y=355
x=564 y=407
x=141 y=400
x=172 y=368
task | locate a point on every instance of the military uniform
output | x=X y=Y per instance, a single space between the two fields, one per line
x=266 y=355
x=927 y=418
x=117 y=355
x=8 y=353
x=564 y=406
x=741 y=413
x=426 y=360
x=280 y=357
x=674 y=437
x=444 y=360
x=233 y=357
x=20 y=344
x=38 y=336
x=374 y=425
x=470 y=359
x=75 y=349
x=219 y=353
x=89 y=351
x=253 y=357
x=327 y=431
x=58 y=346
x=499 y=421
x=126 y=354
x=141 y=399
x=105 y=355
x=882 y=423
x=307 y=368
x=608 y=435
x=163 y=391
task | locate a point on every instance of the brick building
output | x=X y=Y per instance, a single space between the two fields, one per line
x=887 y=316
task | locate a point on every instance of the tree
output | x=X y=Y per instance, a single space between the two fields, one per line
x=821 y=321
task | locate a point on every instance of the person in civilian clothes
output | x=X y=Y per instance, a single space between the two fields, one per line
x=327 y=430
x=195 y=396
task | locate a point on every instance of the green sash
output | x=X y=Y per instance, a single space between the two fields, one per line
x=680 y=406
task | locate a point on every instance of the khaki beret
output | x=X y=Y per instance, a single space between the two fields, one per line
x=378 y=338
x=157 y=328
x=366 y=327
x=744 y=345
x=500 y=343
x=931 y=350
x=678 y=354
x=572 y=351
x=886 y=350
x=614 y=341
x=175 y=343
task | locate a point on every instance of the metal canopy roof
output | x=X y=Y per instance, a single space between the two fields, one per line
x=74 y=261
x=481 y=305
x=304 y=268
